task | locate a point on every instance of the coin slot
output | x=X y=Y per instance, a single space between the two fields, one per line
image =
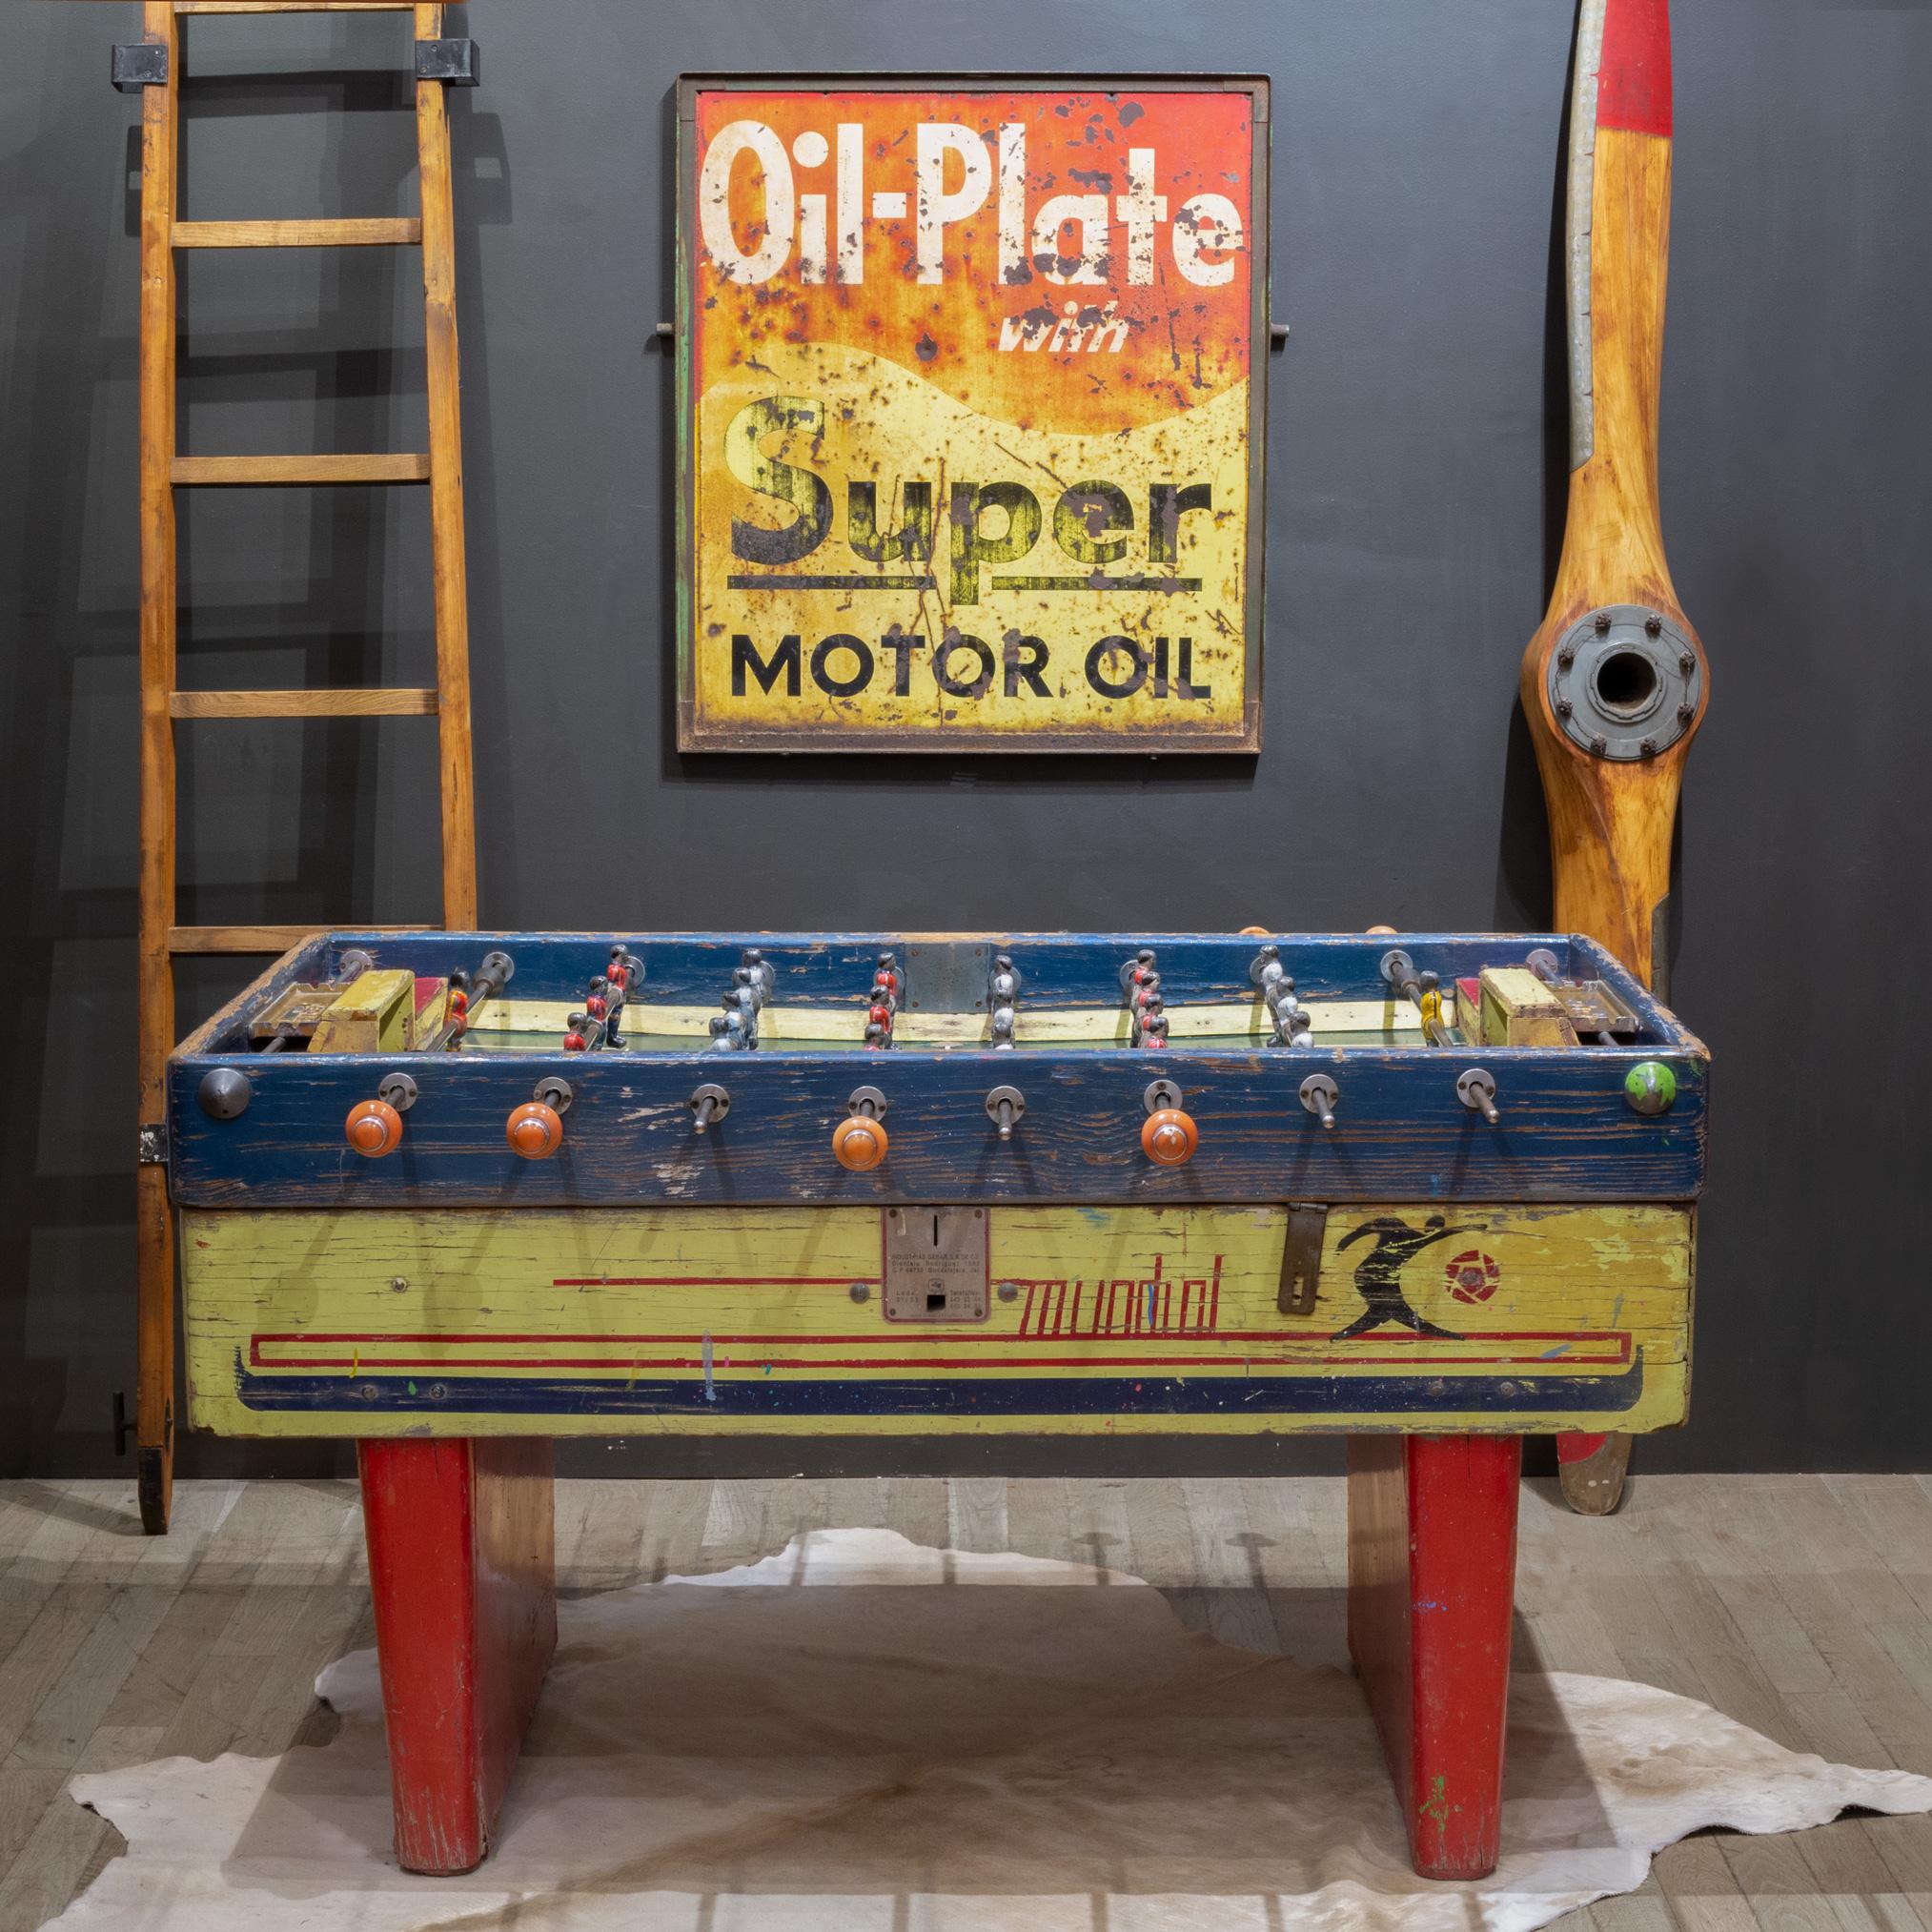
x=935 y=1264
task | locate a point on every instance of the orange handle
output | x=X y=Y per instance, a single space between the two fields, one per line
x=373 y=1127
x=859 y=1143
x=1170 y=1137
x=535 y=1130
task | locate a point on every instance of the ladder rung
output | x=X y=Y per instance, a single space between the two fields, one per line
x=258 y=938
x=375 y=232
x=295 y=5
x=395 y=702
x=331 y=469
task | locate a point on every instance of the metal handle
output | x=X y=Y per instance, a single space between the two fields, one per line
x=1476 y=1089
x=1005 y=1106
x=1320 y=1095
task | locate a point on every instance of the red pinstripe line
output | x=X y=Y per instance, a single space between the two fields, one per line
x=712 y=1280
x=903 y=1340
x=632 y=1365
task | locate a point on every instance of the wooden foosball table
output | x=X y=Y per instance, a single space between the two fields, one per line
x=456 y=1195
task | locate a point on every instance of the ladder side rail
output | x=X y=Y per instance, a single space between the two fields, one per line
x=154 y=1220
x=449 y=565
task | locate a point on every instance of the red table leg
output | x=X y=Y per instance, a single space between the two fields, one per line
x=462 y=1568
x=1432 y=1591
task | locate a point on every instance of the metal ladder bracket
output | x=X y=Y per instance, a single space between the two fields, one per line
x=138 y=64
x=453 y=62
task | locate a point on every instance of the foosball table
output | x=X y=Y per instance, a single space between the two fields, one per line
x=456 y=1195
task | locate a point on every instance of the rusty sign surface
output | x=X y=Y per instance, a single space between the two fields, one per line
x=971 y=398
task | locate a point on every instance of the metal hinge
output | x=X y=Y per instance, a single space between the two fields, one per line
x=453 y=62
x=150 y=1143
x=1301 y=1258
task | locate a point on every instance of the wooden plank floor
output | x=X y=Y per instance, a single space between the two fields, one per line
x=1800 y=1605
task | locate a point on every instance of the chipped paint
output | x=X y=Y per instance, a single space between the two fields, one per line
x=510 y=1318
x=971 y=426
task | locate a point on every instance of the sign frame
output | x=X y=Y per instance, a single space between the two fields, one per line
x=698 y=734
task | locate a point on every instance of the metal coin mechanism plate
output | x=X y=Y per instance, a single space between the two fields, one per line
x=947 y=976
x=935 y=1264
x=1626 y=690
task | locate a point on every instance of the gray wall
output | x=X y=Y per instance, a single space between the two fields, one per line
x=1415 y=497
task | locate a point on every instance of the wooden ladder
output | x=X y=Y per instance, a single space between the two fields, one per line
x=153 y=67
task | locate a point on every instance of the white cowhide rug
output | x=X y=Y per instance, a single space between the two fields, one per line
x=892 y=1752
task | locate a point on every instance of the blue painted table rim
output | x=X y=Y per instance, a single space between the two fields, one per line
x=1566 y=1133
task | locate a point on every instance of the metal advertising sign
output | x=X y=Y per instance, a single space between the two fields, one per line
x=971 y=414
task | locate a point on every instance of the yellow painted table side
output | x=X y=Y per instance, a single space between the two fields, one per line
x=611 y=1297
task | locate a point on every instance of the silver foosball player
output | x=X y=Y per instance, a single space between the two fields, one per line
x=622 y=981
x=734 y=1030
x=1002 y=993
x=1291 y=1023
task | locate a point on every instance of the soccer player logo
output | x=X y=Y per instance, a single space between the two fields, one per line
x=1378 y=1276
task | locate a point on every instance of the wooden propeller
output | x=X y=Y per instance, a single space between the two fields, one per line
x=1615 y=684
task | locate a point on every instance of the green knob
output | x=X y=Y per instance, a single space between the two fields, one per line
x=1650 y=1087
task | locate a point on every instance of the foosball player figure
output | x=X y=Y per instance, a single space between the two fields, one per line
x=759 y=967
x=736 y=1029
x=1145 y=1003
x=881 y=1002
x=1003 y=992
x=1421 y=989
x=1135 y=971
x=457 y=1007
x=1292 y=1023
x=615 y=990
